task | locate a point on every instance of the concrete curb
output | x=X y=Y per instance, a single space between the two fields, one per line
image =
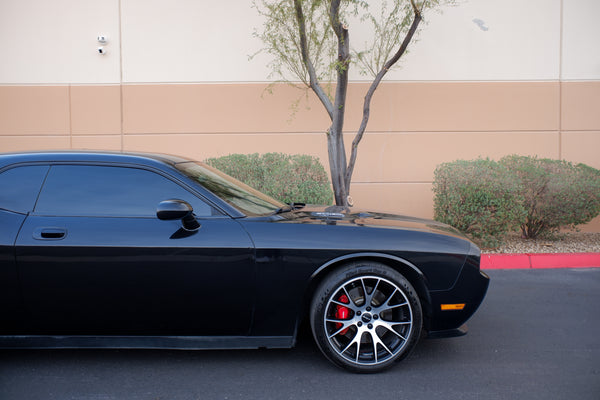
x=540 y=260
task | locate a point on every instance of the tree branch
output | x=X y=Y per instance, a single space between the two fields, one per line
x=337 y=126
x=373 y=87
x=314 y=82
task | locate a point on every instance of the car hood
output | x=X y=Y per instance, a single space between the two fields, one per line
x=334 y=215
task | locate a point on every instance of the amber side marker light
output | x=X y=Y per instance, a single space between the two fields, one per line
x=448 y=307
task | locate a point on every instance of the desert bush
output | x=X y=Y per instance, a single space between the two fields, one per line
x=556 y=194
x=480 y=198
x=289 y=178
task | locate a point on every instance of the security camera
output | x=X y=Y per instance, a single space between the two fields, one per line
x=101 y=50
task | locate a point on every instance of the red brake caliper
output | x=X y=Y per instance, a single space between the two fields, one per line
x=342 y=312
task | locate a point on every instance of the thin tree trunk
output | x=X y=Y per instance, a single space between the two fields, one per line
x=335 y=140
x=337 y=171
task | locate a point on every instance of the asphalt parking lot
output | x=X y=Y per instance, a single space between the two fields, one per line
x=536 y=336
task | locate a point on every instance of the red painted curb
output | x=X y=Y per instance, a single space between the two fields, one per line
x=540 y=260
x=505 y=261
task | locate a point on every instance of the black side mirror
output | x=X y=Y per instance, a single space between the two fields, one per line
x=178 y=209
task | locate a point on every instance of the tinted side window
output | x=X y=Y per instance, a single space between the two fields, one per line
x=79 y=190
x=20 y=186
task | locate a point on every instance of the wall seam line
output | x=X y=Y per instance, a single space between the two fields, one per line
x=348 y=134
x=122 y=136
x=560 y=83
x=70 y=118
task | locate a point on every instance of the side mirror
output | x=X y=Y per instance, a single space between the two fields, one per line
x=178 y=209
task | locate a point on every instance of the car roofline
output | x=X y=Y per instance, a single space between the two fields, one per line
x=89 y=155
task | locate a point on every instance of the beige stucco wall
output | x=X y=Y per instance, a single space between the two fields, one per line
x=414 y=127
x=486 y=78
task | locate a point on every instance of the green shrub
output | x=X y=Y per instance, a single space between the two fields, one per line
x=480 y=198
x=288 y=178
x=556 y=194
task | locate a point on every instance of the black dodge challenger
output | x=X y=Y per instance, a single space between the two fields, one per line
x=153 y=251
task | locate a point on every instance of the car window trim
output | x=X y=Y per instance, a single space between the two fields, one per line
x=122 y=165
x=27 y=164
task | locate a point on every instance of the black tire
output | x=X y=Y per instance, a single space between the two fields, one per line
x=369 y=333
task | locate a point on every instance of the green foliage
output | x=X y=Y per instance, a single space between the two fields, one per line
x=486 y=199
x=480 y=198
x=386 y=21
x=556 y=194
x=281 y=38
x=289 y=178
x=389 y=26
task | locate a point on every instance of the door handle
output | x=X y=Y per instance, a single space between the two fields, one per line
x=50 y=233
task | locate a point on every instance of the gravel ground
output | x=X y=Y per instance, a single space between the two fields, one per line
x=571 y=242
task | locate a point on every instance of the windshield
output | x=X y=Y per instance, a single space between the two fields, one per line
x=241 y=196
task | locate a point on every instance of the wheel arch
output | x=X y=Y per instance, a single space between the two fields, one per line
x=411 y=272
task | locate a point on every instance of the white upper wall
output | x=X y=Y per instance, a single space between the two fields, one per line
x=54 y=42
x=487 y=40
x=581 y=37
x=190 y=41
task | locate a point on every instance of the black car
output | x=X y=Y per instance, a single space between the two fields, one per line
x=154 y=251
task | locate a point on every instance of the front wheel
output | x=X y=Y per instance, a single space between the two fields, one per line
x=365 y=316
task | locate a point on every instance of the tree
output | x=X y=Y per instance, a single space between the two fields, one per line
x=309 y=39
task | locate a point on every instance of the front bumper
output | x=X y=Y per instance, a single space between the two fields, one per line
x=469 y=289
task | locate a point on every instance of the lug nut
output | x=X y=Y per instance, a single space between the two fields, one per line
x=368 y=308
x=375 y=316
x=358 y=313
x=359 y=324
x=370 y=326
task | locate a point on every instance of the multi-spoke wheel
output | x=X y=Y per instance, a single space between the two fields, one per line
x=365 y=316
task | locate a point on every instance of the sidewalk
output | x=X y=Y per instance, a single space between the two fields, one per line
x=541 y=260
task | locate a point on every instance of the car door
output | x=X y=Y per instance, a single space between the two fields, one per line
x=19 y=188
x=94 y=259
